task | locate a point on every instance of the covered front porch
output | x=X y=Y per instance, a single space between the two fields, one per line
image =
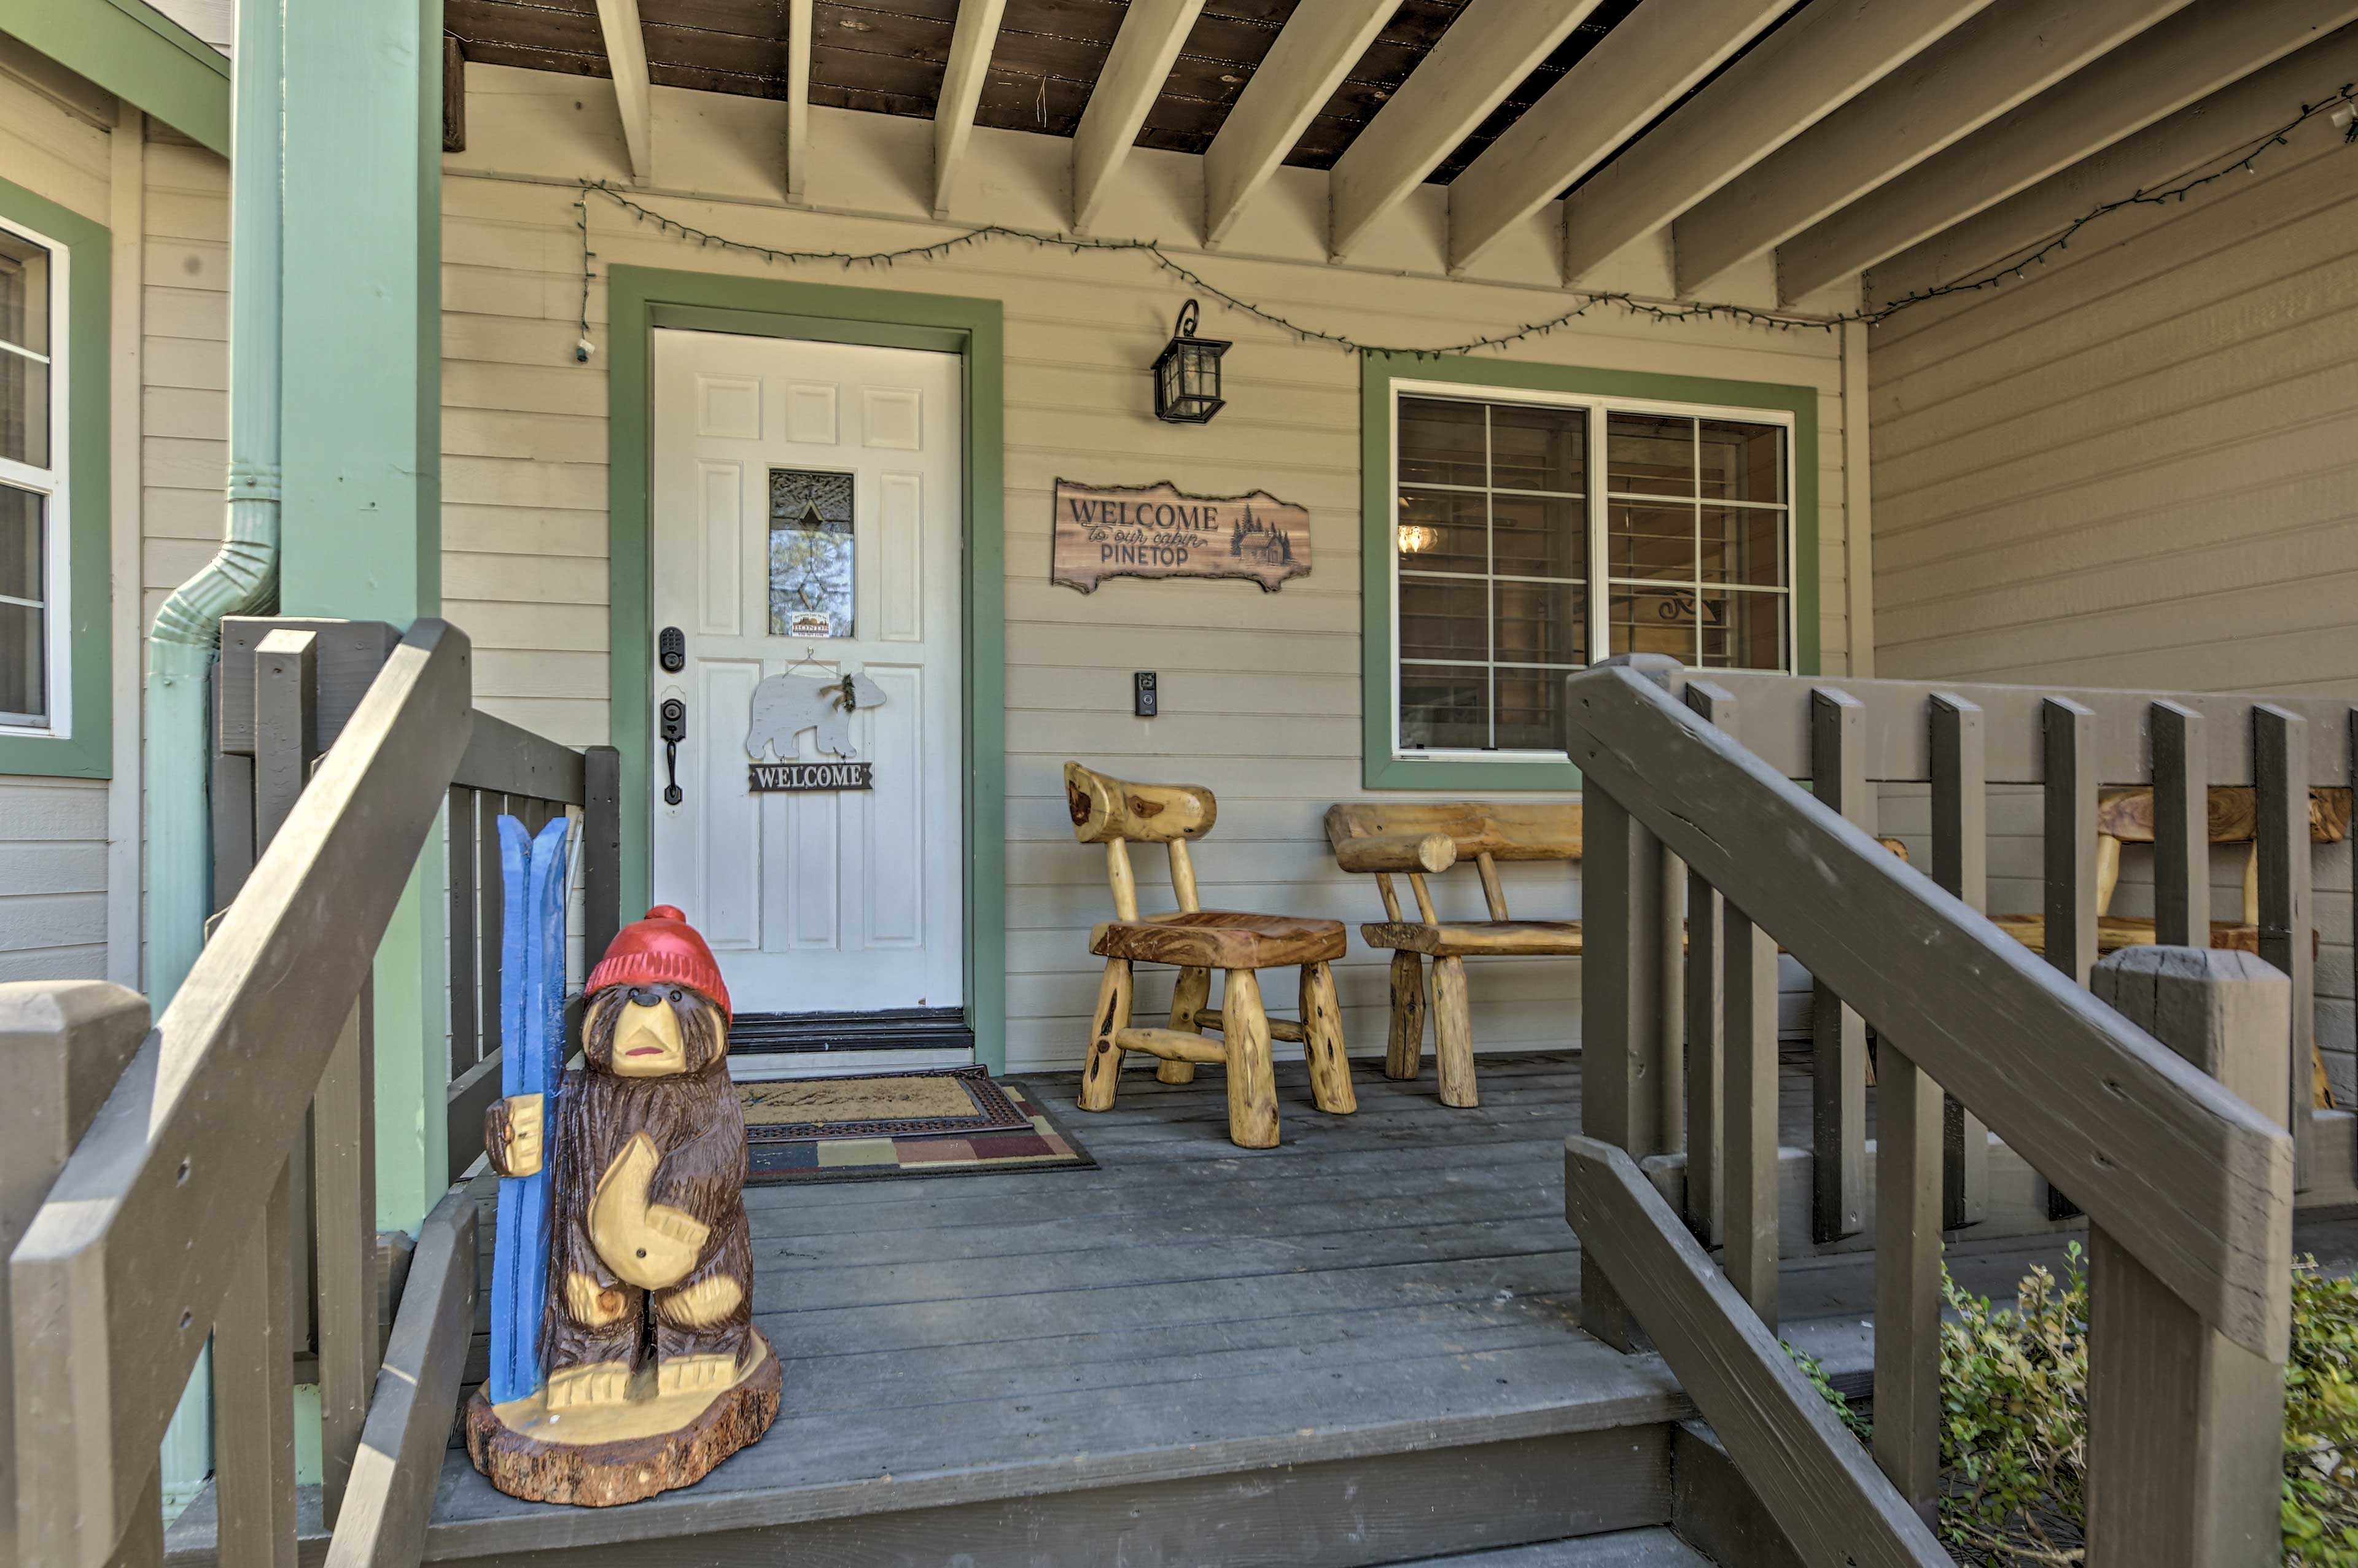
x=1362 y=1347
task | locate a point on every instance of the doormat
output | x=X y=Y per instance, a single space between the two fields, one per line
x=929 y=1102
x=1033 y=1142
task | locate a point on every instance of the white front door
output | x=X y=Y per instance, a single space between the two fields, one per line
x=805 y=529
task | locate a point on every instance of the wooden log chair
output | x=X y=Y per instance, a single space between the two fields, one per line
x=1388 y=838
x=1198 y=940
x=2126 y=816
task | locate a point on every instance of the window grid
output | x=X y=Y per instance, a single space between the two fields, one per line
x=1598 y=586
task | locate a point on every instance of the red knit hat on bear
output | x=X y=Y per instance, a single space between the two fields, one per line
x=662 y=950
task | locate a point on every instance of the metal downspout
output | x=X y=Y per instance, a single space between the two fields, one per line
x=242 y=579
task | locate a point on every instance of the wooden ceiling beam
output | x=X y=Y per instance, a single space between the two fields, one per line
x=626 y=58
x=1486 y=54
x=1317 y=46
x=969 y=62
x=2212 y=45
x=1792 y=79
x=1135 y=71
x=1638 y=70
x=2192 y=139
x=2004 y=57
x=798 y=72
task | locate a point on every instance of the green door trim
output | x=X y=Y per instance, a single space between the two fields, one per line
x=640 y=300
x=1378 y=768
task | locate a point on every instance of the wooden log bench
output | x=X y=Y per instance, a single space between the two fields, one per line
x=1386 y=839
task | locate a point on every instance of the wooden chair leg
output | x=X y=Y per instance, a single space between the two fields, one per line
x=1187 y=999
x=1253 y=1081
x=1322 y=1042
x=1404 y=1052
x=1112 y=1016
x=1453 y=1033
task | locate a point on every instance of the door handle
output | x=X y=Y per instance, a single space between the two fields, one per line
x=674 y=730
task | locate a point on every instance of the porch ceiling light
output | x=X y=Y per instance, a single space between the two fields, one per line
x=1187 y=375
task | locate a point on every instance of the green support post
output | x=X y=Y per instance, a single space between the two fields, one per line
x=361 y=537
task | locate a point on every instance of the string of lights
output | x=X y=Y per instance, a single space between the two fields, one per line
x=2342 y=106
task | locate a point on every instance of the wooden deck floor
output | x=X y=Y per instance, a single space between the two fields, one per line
x=1398 y=1278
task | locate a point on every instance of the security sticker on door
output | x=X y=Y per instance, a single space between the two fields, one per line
x=786 y=705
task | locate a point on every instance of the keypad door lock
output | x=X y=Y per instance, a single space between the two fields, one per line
x=671 y=650
x=674 y=730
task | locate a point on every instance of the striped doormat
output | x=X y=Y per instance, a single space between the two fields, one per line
x=944 y=1121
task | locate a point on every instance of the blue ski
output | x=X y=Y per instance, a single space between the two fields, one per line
x=532 y=1061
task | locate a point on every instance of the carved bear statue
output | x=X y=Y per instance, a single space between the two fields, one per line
x=649 y=1209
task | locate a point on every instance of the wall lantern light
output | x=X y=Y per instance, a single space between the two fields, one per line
x=1187 y=376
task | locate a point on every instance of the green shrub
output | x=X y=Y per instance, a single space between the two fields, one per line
x=2014 y=1446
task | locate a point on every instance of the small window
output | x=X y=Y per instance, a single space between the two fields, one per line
x=32 y=486
x=1533 y=537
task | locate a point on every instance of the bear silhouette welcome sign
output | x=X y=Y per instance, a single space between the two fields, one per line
x=1159 y=530
x=652 y=1372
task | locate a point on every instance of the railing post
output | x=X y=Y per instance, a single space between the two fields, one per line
x=1750 y=1173
x=2186 y=1429
x=1961 y=866
x=2280 y=776
x=62 y=1046
x=1620 y=885
x=601 y=850
x=2182 y=827
x=1838 y=1067
x=2068 y=753
x=1706 y=1023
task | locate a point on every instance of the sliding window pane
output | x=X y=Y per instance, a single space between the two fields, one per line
x=1530 y=710
x=1744 y=631
x=1745 y=546
x=1541 y=623
x=1443 y=618
x=1539 y=448
x=1442 y=442
x=1445 y=708
x=1653 y=620
x=24 y=293
x=1743 y=463
x=1652 y=542
x=1532 y=536
x=1443 y=531
x=24 y=409
x=1650 y=454
x=22 y=573
x=23 y=678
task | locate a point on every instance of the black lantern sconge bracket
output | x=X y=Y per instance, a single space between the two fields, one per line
x=1187 y=373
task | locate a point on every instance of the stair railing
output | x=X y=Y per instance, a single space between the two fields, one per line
x=176 y=1161
x=2187 y=1187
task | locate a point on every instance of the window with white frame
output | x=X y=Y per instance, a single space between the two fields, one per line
x=32 y=482
x=1536 y=534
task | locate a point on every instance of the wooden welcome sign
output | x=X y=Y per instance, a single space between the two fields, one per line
x=1158 y=530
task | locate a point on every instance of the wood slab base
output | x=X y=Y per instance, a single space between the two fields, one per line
x=600 y=1455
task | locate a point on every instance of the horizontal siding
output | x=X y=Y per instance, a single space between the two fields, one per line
x=1260 y=693
x=52 y=879
x=2139 y=468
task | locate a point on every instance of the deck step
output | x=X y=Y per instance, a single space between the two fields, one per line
x=1651 y=1548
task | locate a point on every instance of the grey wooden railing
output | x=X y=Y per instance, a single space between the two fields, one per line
x=2187 y=1185
x=169 y=1219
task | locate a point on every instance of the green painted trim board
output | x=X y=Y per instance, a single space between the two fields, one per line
x=638 y=300
x=87 y=751
x=137 y=53
x=1377 y=372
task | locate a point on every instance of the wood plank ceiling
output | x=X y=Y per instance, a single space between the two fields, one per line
x=1742 y=125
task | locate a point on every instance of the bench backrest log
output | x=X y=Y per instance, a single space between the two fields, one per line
x=1430 y=837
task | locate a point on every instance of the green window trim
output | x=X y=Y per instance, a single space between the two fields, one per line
x=137 y=53
x=640 y=300
x=1378 y=373
x=88 y=751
